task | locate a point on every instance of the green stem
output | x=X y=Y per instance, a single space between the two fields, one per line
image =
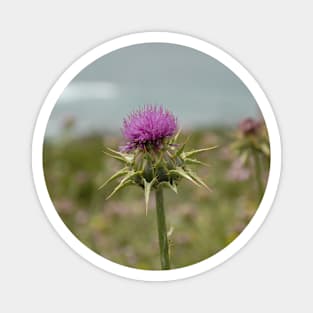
x=258 y=174
x=163 y=241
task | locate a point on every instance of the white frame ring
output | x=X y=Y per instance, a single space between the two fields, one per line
x=37 y=156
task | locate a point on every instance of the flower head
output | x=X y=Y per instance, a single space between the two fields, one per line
x=147 y=128
x=251 y=138
x=152 y=157
x=249 y=126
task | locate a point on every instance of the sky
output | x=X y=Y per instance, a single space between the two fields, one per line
x=198 y=89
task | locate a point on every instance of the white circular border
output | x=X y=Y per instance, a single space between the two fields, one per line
x=57 y=90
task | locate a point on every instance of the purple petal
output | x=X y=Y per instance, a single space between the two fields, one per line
x=148 y=126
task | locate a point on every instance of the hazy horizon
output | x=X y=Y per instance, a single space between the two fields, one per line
x=198 y=89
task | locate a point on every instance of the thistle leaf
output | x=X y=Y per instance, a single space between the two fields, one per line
x=126 y=158
x=159 y=161
x=147 y=187
x=148 y=169
x=195 y=161
x=182 y=147
x=193 y=152
x=124 y=182
x=171 y=186
x=265 y=149
x=116 y=157
x=199 y=180
x=121 y=185
x=116 y=175
x=240 y=145
x=177 y=135
x=244 y=156
x=170 y=232
x=115 y=152
x=181 y=172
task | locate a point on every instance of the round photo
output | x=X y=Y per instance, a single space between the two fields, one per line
x=156 y=156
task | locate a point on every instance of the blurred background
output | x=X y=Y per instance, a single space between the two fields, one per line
x=209 y=102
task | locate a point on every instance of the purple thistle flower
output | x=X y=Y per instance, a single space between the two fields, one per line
x=147 y=128
x=249 y=126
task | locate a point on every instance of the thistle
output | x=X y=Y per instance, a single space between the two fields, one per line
x=252 y=145
x=153 y=159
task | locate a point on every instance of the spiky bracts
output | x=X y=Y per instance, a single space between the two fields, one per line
x=149 y=169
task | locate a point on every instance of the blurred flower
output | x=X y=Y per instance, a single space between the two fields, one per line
x=116 y=209
x=225 y=153
x=237 y=171
x=64 y=206
x=249 y=126
x=182 y=239
x=81 y=217
x=130 y=255
x=146 y=128
x=243 y=218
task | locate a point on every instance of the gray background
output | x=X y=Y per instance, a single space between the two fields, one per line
x=204 y=91
x=39 y=273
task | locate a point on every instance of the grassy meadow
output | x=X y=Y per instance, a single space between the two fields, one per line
x=199 y=223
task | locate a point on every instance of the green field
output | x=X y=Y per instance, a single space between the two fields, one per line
x=200 y=223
